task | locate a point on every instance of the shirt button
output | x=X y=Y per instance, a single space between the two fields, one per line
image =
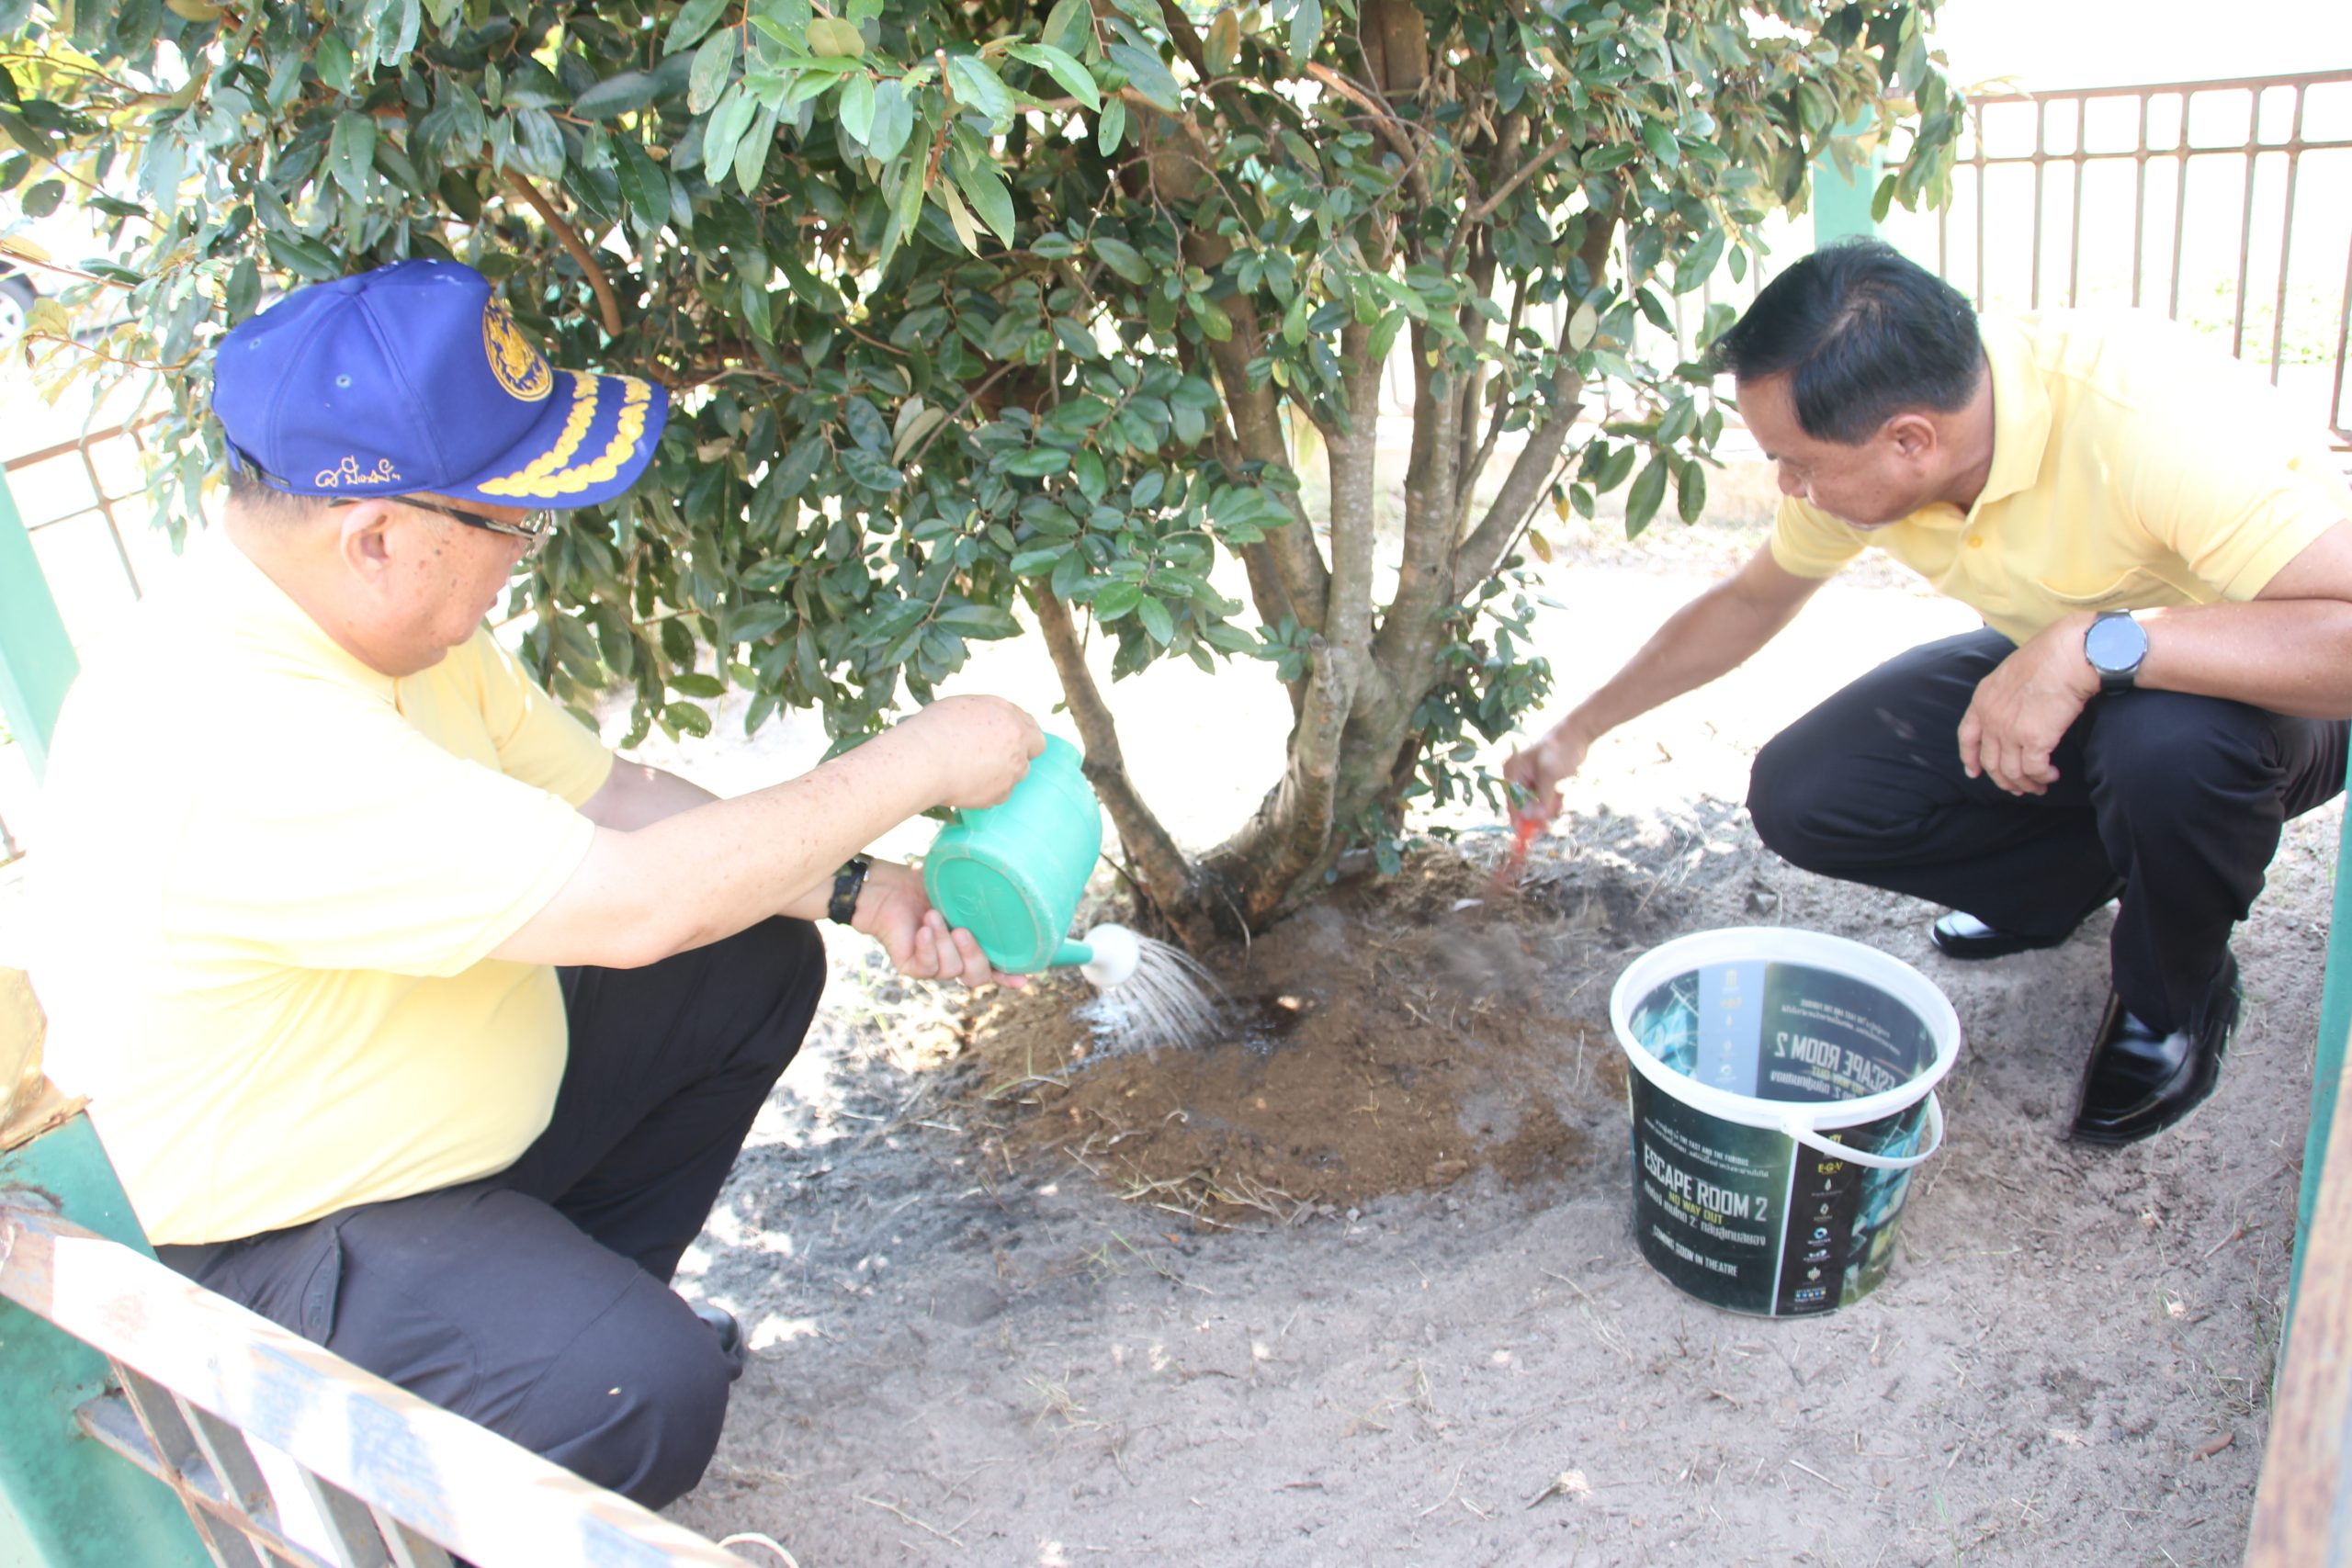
x=1975 y=541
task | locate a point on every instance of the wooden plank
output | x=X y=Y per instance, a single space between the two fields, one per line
x=481 y=1496
x=2303 y=1510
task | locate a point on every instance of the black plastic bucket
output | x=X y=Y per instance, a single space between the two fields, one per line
x=1783 y=1090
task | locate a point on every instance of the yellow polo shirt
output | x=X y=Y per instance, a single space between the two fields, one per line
x=2135 y=466
x=269 y=879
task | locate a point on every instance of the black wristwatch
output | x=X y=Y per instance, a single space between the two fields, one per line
x=2115 y=644
x=847 y=882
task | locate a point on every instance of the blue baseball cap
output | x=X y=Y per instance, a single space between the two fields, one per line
x=413 y=380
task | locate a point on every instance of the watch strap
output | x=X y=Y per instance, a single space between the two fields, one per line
x=847 y=884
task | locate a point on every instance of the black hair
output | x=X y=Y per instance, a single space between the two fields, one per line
x=1864 y=333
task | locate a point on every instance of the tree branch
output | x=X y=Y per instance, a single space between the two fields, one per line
x=1502 y=193
x=1392 y=129
x=608 y=304
x=1168 y=877
x=1525 y=485
x=1258 y=426
x=1292 y=829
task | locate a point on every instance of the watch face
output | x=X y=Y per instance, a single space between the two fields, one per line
x=2115 y=644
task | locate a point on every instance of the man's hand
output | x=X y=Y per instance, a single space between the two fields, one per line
x=894 y=910
x=978 y=748
x=2025 y=706
x=1540 y=768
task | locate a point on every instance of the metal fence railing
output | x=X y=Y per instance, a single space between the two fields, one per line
x=72 y=495
x=2220 y=202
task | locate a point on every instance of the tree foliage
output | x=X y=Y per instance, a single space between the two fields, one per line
x=975 y=308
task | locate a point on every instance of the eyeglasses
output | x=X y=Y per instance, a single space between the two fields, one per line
x=534 y=525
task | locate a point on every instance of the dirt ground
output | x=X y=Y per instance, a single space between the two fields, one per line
x=1357 y=1284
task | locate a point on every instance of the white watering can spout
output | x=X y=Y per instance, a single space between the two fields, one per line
x=1116 y=954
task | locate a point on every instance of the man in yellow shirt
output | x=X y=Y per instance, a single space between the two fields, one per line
x=2164 y=571
x=412 y=1018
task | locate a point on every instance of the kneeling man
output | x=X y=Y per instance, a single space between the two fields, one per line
x=2164 y=569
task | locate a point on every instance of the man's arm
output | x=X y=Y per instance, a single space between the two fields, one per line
x=2288 y=649
x=634 y=795
x=1711 y=636
x=892 y=907
x=671 y=869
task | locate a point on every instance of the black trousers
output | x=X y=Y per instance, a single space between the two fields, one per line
x=2179 y=798
x=537 y=1301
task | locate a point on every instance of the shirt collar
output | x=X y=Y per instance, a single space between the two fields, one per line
x=263 y=615
x=2020 y=413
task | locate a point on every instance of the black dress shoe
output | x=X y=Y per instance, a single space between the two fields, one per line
x=1959 y=935
x=730 y=1334
x=2141 y=1082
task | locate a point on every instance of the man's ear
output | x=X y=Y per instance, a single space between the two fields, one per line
x=363 y=539
x=1914 y=434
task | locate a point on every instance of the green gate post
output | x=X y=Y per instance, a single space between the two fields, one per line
x=65 y=1500
x=2328 y=1067
x=1841 y=202
x=37 y=660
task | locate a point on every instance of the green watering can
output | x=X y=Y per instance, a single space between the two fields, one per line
x=1011 y=873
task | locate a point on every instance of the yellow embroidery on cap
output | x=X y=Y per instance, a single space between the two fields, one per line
x=520 y=368
x=348 y=472
x=547 y=476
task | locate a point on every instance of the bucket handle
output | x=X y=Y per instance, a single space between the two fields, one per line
x=1804 y=1134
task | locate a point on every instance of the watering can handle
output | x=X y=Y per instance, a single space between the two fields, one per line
x=1814 y=1141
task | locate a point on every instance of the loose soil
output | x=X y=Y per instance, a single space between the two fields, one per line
x=1389 y=1041
x=1357 y=1283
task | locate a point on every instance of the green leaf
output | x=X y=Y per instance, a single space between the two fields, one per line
x=615 y=94
x=1063 y=29
x=1076 y=80
x=1305 y=30
x=686 y=719
x=643 y=185
x=830 y=36
x=1615 y=155
x=979 y=622
x=1582 y=326
x=1038 y=562
x=691 y=684
x=1037 y=462
x=856 y=107
x=1641 y=501
x=752 y=152
x=694 y=18
x=869 y=471
x=1699 y=265
x=1121 y=258
x=723 y=132
x=351 y=151
x=1690 y=490
x=1147 y=74
x=1156 y=620
x=756 y=623
x=893 y=119
x=1659 y=137
x=978 y=88
x=1116 y=600
x=42 y=200
x=984 y=184
x=759 y=310
x=245 y=290
x=714 y=63
x=1113 y=128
